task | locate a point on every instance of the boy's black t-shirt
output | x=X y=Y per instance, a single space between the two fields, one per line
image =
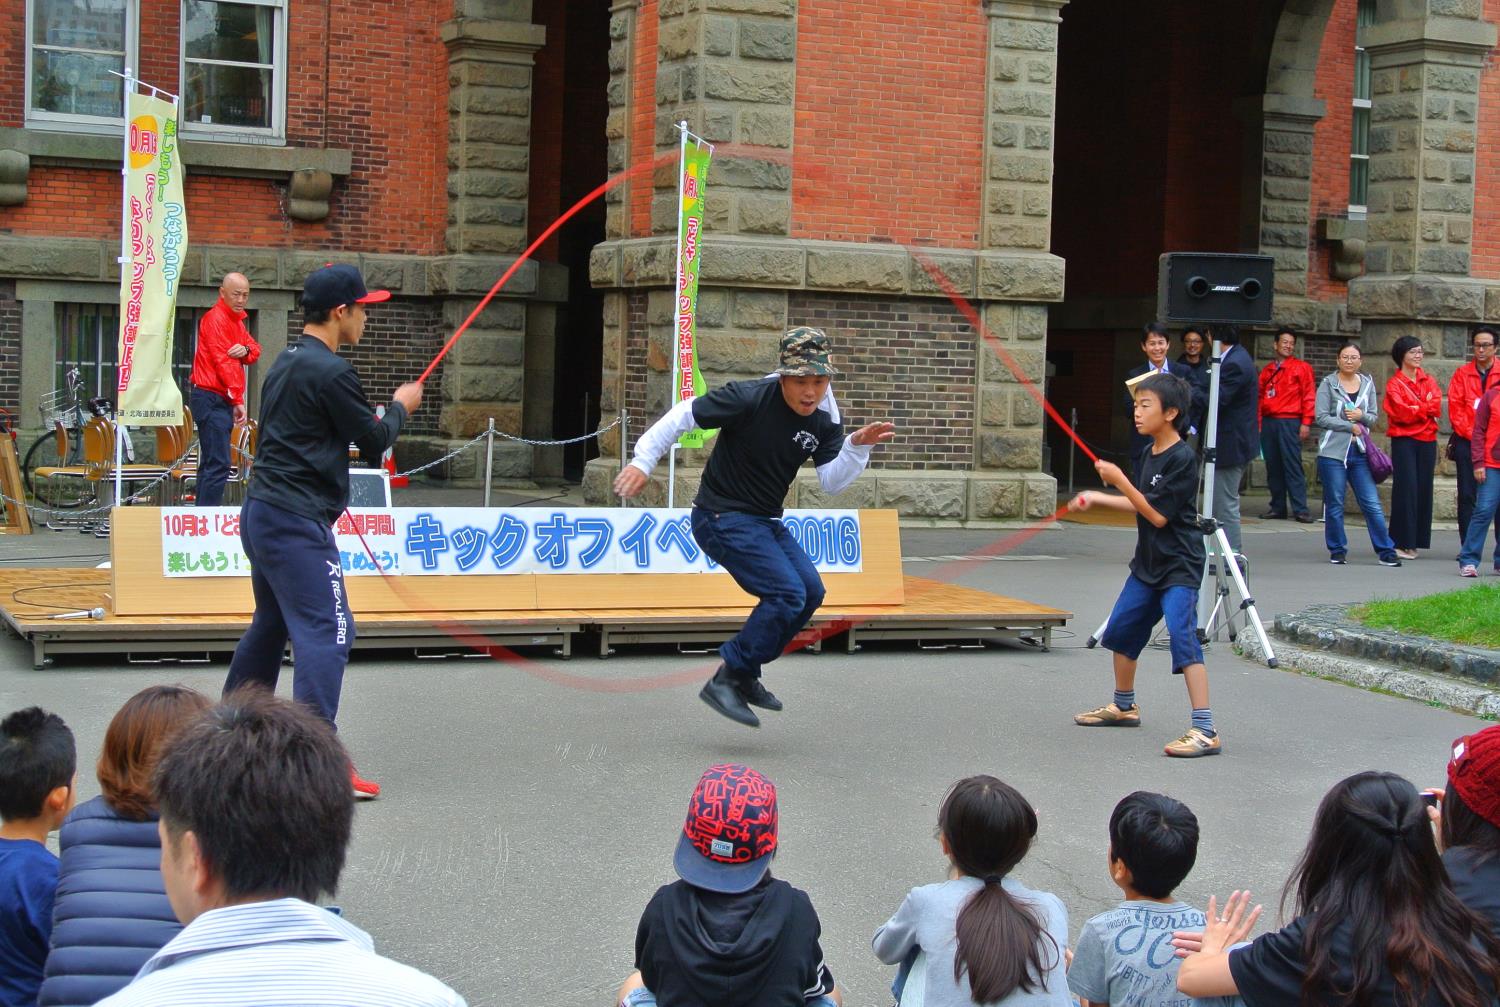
x=697 y=948
x=761 y=444
x=1173 y=555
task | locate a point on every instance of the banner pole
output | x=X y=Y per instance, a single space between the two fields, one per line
x=682 y=128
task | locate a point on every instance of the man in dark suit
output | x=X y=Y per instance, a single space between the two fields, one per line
x=1238 y=440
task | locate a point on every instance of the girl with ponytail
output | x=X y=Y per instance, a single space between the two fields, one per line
x=983 y=937
x=1377 y=921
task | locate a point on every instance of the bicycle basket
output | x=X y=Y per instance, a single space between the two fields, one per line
x=58 y=407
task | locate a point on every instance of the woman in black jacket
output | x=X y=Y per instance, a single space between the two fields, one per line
x=111 y=912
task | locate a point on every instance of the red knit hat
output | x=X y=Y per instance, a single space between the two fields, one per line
x=1474 y=771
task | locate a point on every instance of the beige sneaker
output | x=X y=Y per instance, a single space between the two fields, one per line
x=1194 y=744
x=1110 y=716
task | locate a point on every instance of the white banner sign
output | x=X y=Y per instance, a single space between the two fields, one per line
x=469 y=541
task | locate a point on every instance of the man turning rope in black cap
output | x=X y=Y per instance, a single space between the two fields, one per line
x=767 y=430
x=312 y=408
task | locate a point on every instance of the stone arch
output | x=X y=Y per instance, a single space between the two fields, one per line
x=1296 y=47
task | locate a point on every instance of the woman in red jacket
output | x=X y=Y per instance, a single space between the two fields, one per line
x=1413 y=402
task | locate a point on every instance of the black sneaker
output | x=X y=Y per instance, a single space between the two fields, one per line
x=756 y=694
x=720 y=693
x=1303 y=517
x=1389 y=560
x=1338 y=559
x=1272 y=515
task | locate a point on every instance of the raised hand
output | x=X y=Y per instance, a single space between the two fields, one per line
x=873 y=433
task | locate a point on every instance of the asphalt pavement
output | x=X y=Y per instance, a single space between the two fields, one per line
x=530 y=808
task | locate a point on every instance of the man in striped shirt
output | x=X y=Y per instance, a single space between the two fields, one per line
x=256 y=813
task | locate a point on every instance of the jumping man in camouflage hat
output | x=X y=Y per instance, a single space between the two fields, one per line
x=767 y=429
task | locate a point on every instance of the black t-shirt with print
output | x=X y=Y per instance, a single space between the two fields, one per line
x=761 y=444
x=1170 y=556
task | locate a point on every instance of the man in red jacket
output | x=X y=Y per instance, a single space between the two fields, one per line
x=225 y=349
x=1467 y=387
x=1486 y=472
x=1287 y=394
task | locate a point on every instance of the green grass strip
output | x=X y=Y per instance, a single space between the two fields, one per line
x=1470 y=615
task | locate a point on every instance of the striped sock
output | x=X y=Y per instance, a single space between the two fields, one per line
x=1203 y=720
x=1124 y=700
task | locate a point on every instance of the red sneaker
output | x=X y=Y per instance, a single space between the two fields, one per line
x=364 y=790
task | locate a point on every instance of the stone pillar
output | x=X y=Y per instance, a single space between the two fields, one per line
x=1015 y=271
x=1425 y=74
x=491 y=49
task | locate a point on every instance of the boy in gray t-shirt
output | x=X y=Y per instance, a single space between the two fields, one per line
x=1124 y=957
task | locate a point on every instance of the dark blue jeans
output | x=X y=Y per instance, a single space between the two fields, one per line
x=1353 y=472
x=1486 y=504
x=1468 y=491
x=765 y=561
x=299 y=594
x=1281 y=447
x=214 y=417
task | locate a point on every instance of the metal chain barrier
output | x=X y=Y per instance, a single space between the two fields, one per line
x=77 y=514
x=44 y=512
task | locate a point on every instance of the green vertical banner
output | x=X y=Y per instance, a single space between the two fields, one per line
x=692 y=187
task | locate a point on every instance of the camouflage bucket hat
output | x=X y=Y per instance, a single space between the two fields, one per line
x=804 y=354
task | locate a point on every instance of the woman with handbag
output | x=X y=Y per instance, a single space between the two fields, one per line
x=1347 y=406
x=1413 y=403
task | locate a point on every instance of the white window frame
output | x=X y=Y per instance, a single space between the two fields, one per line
x=74 y=123
x=1360 y=211
x=275 y=134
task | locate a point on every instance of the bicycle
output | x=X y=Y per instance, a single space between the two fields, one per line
x=61 y=446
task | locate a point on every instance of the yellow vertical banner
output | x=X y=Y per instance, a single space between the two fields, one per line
x=155 y=221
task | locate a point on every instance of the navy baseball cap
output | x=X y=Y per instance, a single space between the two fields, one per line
x=730 y=834
x=331 y=286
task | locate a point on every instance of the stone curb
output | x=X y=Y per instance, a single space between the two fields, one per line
x=1322 y=641
x=1329 y=628
x=1455 y=694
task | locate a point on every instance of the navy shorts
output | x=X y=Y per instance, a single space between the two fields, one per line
x=1140 y=607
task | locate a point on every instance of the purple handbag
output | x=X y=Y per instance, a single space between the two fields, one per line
x=1378 y=461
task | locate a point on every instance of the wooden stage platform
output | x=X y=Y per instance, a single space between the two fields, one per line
x=935 y=612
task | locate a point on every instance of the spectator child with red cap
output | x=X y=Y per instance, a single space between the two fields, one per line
x=1468 y=824
x=728 y=934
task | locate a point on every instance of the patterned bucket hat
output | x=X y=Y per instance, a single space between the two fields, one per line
x=805 y=354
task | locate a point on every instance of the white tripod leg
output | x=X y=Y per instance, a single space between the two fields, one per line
x=1247 y=603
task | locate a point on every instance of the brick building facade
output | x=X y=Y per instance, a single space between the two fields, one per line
x=859 y=146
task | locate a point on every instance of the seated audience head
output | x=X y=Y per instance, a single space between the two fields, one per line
x=37 y=762
x=1471 y=803
x=133 y=743
x=986 y=828
x=1170 y=392
x=1372 y=863
x=729 y=838
x=1153 y=844
x=255 y=805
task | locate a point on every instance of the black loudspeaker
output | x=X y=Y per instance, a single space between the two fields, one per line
x=1215 y=287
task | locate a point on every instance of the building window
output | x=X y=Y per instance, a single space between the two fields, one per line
x=234 y=68
x=88 y=338
x=1359 y=146
x=73 y=45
